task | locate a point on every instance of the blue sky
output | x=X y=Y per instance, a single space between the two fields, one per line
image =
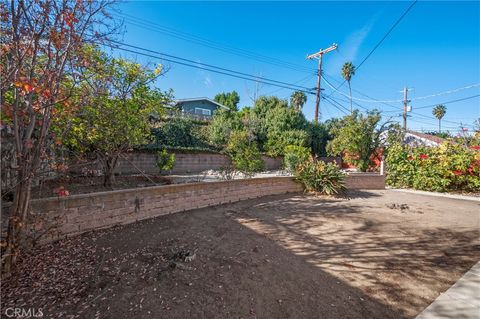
x=435 y=48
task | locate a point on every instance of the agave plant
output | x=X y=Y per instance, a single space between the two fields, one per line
x=321 y=178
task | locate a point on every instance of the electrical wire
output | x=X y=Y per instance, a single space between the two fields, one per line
x=337 y=105
x=302 y=80
x=211 y=68
x=386 y=35
x=204 y=64
x=448 y=102
x=383 y=38
x=400 y=100
x=152 y=26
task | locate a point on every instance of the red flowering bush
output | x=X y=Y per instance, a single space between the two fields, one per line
x=448 y=167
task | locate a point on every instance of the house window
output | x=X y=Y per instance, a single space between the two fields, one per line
x=201 y=111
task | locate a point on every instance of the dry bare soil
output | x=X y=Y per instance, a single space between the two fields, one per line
x=380 y=254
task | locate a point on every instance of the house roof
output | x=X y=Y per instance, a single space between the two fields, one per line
x=179 y=101
x=432 y=138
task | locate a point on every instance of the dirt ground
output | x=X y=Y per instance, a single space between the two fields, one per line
x=83 y=185
x=379 y=254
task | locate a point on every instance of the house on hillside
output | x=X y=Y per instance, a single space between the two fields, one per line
x=198 y=108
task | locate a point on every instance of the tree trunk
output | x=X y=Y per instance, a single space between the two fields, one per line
x=17 y=221
x=109 y=168
x=439 y=126
x=350 y=89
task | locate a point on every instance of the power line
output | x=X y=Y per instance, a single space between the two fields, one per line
x=365 y=95
x=152 y=26
x=414 y=99
x=401 y=110
x=337 y=105
x=386 y=35
x=383 y=38
x=448 y=102
x=331 y=86
x=302 y=80
x=204 y=64
x=434 y=118
x=211 y=68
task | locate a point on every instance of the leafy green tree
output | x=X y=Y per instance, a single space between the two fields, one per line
x=277 y=141
x=165 y=160
x=297 y=100
x=356 y=138
x=117 y=114
x=180 y=131
x=348 y=70
x=439 y=112
x=319 y=137
x=244 y=153
x=258 y=113
x=40 y=61
x=265 y=103
x=245 y=113
x=284 y=126
x=294 y=156
x=229 y=99
x=224 y=122
x=444 y=135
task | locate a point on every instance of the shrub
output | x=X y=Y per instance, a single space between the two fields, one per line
x=356 y=137
x=319 y=137
x=180 y=132
x=294 y=155
x=244 y=153
x=316 y=176
x=284 y=126
x=448 y=167
x=278 y=140
x=165 y=161
x=224 y=122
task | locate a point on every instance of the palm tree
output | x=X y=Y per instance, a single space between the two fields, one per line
x=297 y=100
x=439 y=112
x=348 y=70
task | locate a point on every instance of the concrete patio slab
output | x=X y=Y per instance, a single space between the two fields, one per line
x=461 y=301
x=446 y=195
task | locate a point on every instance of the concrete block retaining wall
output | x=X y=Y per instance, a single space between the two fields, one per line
x=55 y=218
x=365 y=181
x=185 y=163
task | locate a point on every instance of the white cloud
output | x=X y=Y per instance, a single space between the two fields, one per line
x=204 y=76
x=207 y=79
x=348 y=49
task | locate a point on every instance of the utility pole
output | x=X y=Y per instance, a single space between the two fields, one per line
x=405 y=107
x=319 y=56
